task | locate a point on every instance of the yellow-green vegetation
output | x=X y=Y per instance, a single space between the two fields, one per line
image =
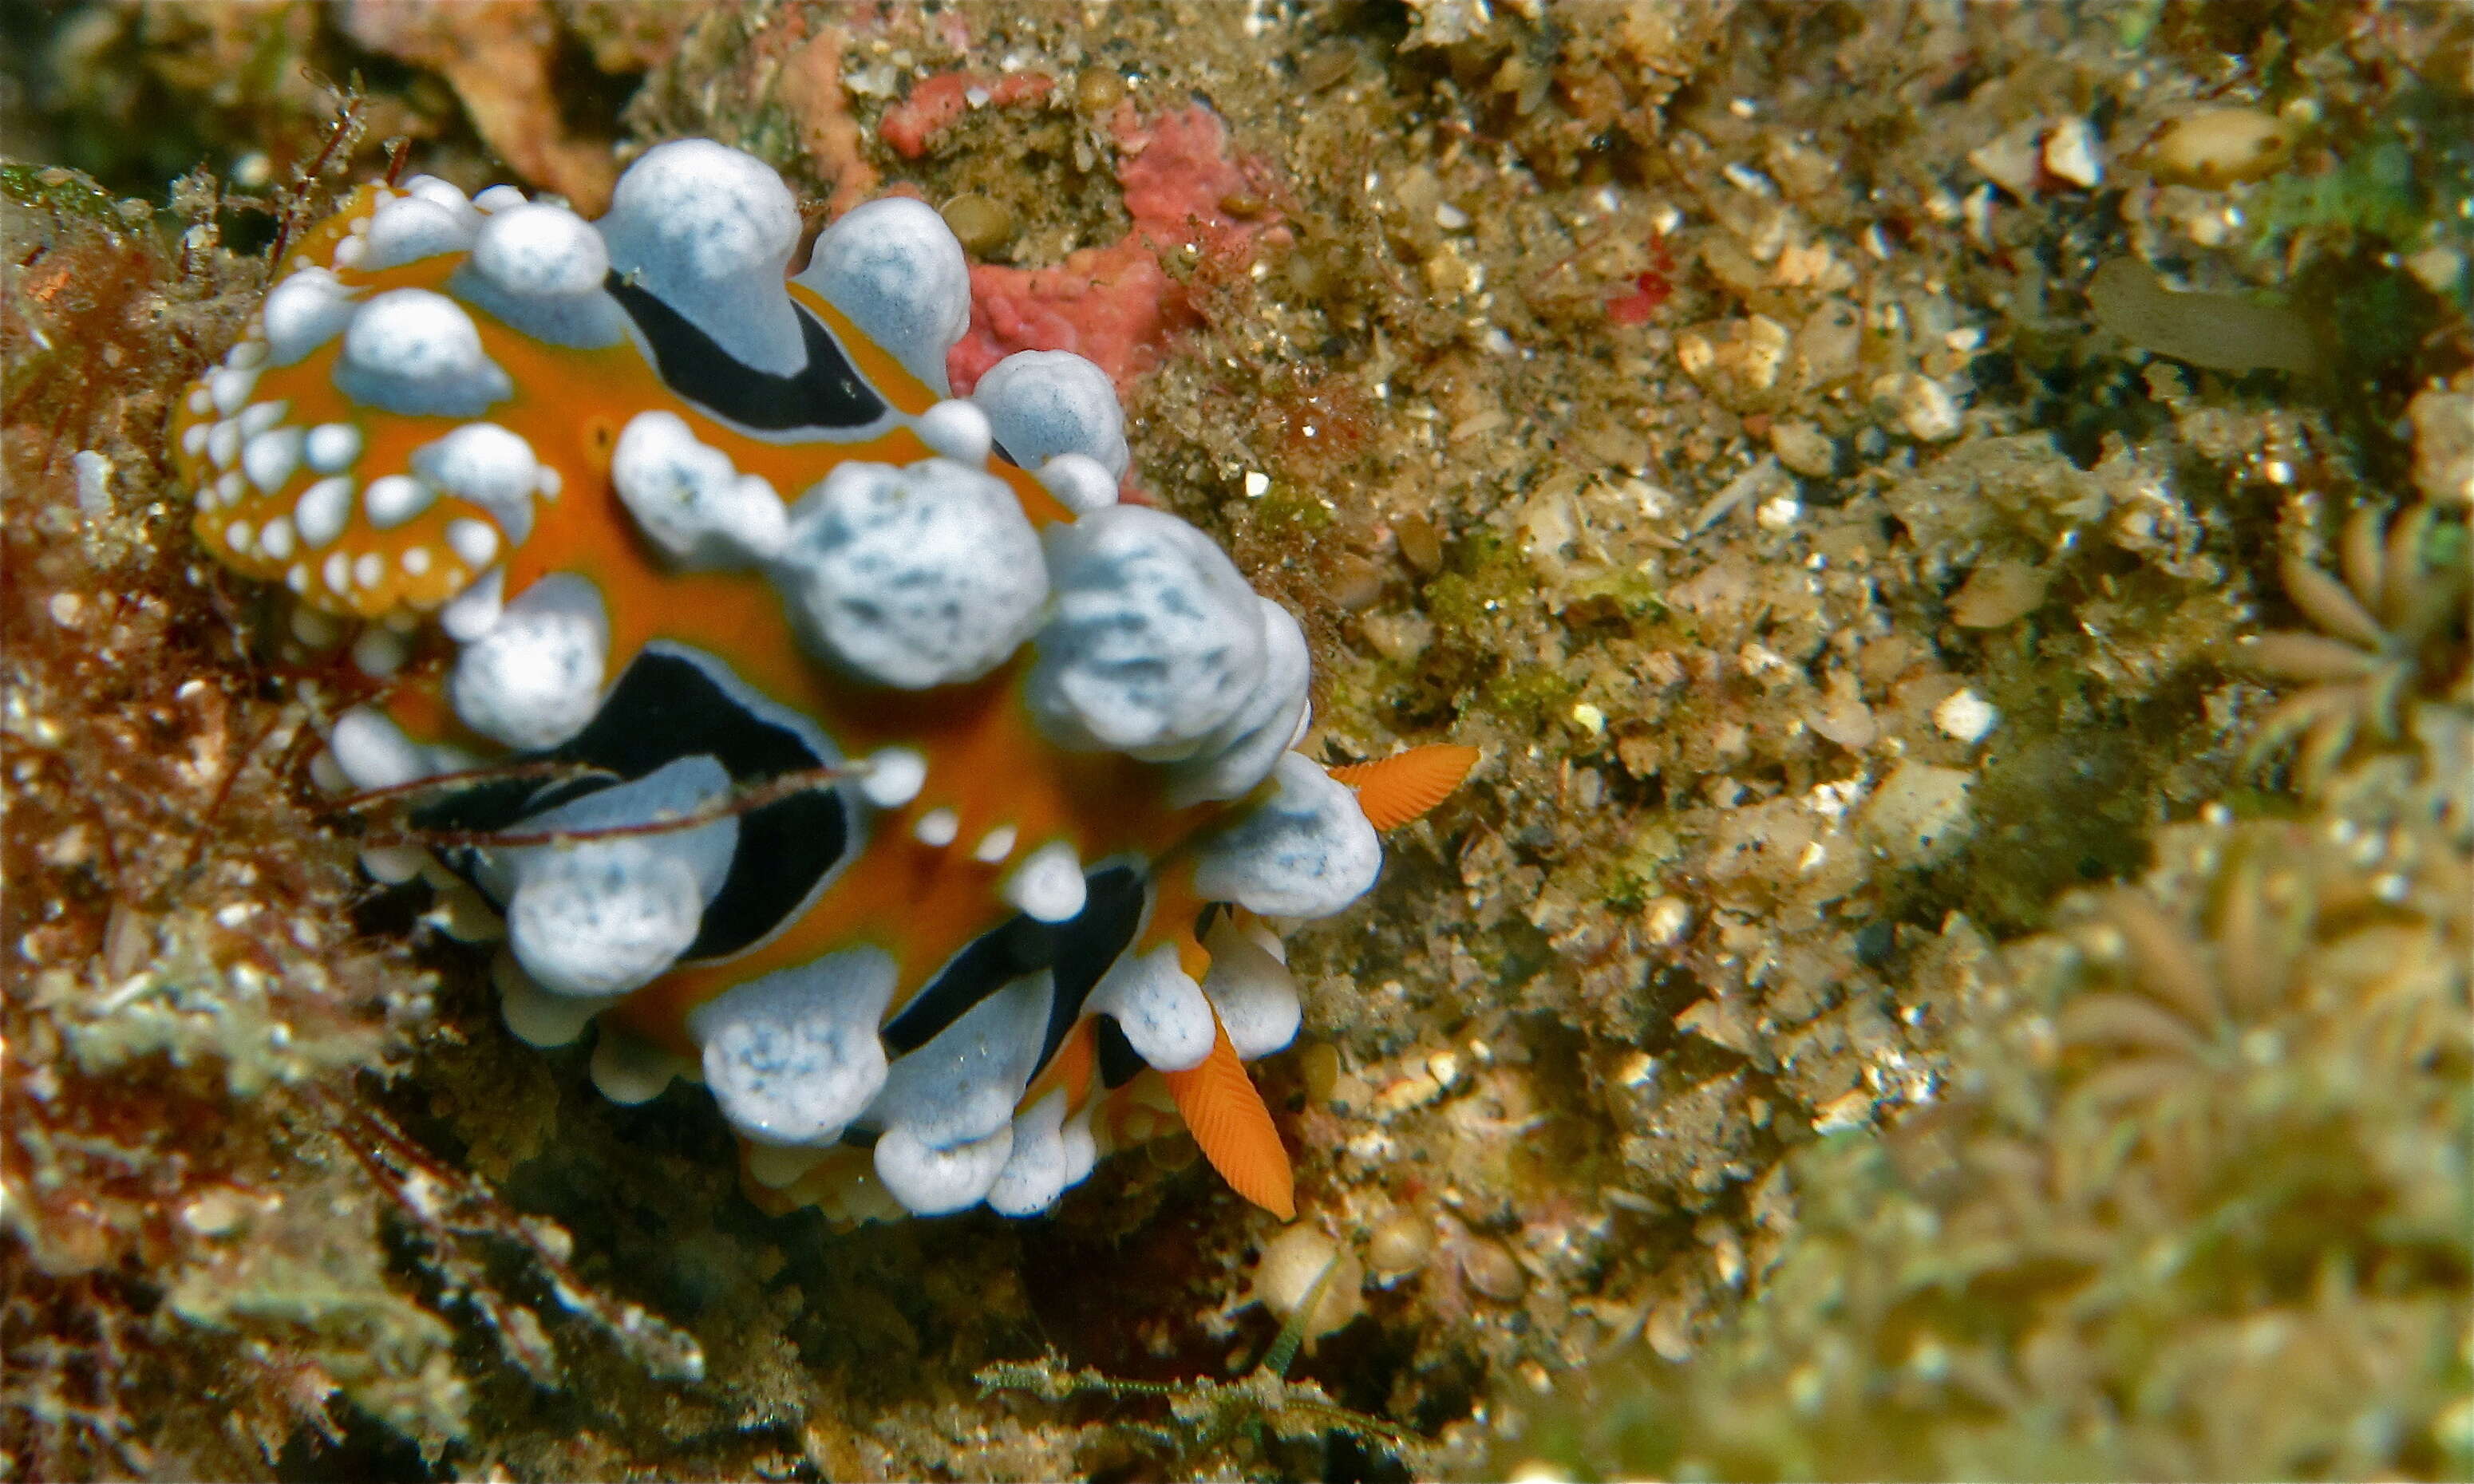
x=2192 y=1204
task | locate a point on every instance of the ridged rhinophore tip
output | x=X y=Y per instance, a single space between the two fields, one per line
x=1305 y=852
x=1042 y=403
x=918 y=576
x=893 y=266
x=794 y=1057
x=1155 y=640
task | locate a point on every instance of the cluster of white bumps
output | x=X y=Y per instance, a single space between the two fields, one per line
x=1146 y=639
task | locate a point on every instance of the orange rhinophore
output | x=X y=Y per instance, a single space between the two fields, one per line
x=1394 y=790
x=826 y=738
x=1228 y=1120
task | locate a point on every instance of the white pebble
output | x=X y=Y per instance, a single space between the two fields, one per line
x=1966 y=717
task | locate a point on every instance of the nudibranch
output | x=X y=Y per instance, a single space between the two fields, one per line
x=834 y=741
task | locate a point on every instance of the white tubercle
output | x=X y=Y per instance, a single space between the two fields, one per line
x=331 y=447
x=1250 y=988
x=541 y=251
x=374 y=753
x=475 y=612
x=258 y=416
x=474 y=541
x=1048 y=885
x=629 y=1071
x=1241 y=753
x=1034 y=1173
x=413 y=351
x=393 y=499
x=794 y=1057
x=691 y=500
x=994 y=845
x=937 y=827
x=307 y=309
x=895 y=267
x=708 y=231
x=1153 y=641
x=1305 y=852
x=1041 y=403
x=1080 y=482
x=962 y=1084
x=537 y=1016
x=957 y=430
x=913 y=576
x=488 y=465
x=600 y=917
x=540 y=268
x=323 y=511
x=534 y=678
x=499 y=197
x=1158 y=1006
x=231 y=386
x=930 y=1180
x=410 y=229
x=270 y=457
x=891 y=777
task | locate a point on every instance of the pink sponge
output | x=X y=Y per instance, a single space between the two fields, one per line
x=1114 y=306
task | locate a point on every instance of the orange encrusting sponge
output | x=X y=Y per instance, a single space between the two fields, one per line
x=1394 y=790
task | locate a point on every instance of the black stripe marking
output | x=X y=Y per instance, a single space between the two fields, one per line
x=1119 y=1062
x=827 y=393
x=664 y=709
x=1077 y=951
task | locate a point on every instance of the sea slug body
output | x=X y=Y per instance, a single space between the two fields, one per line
x=838 y=743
